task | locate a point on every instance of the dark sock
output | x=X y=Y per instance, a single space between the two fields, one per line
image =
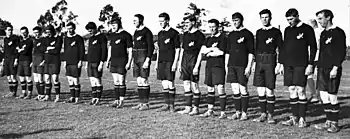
x=237 y=101
x=196 y=98
x=48 y=89
x=172 y=93
x=141 y=94
x=245 y=102
x=23 y=86
x=77 y=90
x=15 y=85
x=37 y=86
x=271 y=100
x=57 y=88
x=99 y=91
x=30 y=86
x=222 y=98
x=335 y=112
x=327 y=110
x=147 y=93
x=302 y=107
x=188 y=96
x=72 y=90
x=262 y=103
x=122 y=90
x=42 y=88
x=93 y=92
x=166 y=95
x=294 y=106
x=11 y=86
x=116 y=92
x=211 y=98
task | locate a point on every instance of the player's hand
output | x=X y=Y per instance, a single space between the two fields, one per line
x=31 y=64
x=277 y=68
x=127 y=66
x=79 y=64
x=42 y=63
x=281 y=70
x=15 y=63
x=195 y=71
x=253 y=67
x=315 y=73
x=179 y=68
x=100 y=67
x=50 y=48
x=108 y=65
x=247 y=71
x=145 y=65
x=156 y=67
x=309 y=70
x=333 y=72
x=174 y=67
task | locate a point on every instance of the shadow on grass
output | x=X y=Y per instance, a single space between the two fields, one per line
x=20 y=135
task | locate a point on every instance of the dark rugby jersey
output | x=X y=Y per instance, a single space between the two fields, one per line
x=295 y=50
x=39 y=47
x=120 y=42
x=74 y=49
x=143 y=39
x=219 y=42
x=53 y=56
x=10 y=44
x=332 y=48
x=97 y=50
x=192 y=42
x=168 y=41
x=240 y=43
x=26 y=54
x=268 y=40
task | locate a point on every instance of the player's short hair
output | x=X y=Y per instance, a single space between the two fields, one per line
x=8 y=25
x=215 y=21
x=37 y=28
x=265 y=11
x=100 y=28
x=238 y=15
x=326 y=13
x=71 y=24
x=191 y=18
x=24 y=28
x=140 y=17
x=90 y=25
x=292 y=12
x=51 y=28
x=117 y=21
x=165 y=16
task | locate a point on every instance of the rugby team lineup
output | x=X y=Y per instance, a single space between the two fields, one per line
x=305 y=53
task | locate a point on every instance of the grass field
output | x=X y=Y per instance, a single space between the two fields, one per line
x=33 y=119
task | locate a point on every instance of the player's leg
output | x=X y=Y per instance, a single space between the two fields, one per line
x=116 y=89
x=196 y=97
x=312 y=89
x=322 y=82
x=22 y=79
x=222 y=99
x=140 y=91
x=293 y=96
x=69 y=75
x=146 y=93
x=165 y=91
x=57 y=86
x=270 y=78
x=243 y=90
x=93 y=90
x=122 y=89
x=99 y=89
x=237 y=101
x=172 y=93
x=262 y=103
x=300 y=82
x=210 y=102
x=188 y=97
x=333 y=86
x=29 y=86
x=36 y=81
x=48 y=87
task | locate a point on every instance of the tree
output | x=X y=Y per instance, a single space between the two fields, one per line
x=107 y=14
x=58 y=16
x=224 y=24
x=194 y=10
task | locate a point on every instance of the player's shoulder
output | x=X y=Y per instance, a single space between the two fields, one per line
x=174 y=31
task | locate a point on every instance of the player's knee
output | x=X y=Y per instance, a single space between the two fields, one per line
x=301 y=92
x=270 y=92
x=187 y=86
x=261 y=91
x=243 y=90
x=194 y=87
x=165 y=84
x=221 y=89
x=291 y=89
x=28 y=79
x=171 y=84
x=333 y=99
x=211 y=89
x=324 y=97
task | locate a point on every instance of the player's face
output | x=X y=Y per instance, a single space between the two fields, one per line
x=137 y=22
x=92 y=31
x=292 y=21
x=70 y=30
x=213 y=28
x=237 y=23
x=188 y=25
x=265 y=19
x=24 y=33
x=8 y=31
x=48 y=33
x=114 y=27
x=36 y=33
x=163 y=23
x=322 y=20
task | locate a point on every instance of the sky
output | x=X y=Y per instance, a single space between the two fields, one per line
x=26 y=12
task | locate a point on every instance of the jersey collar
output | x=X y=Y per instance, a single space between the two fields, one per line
x=216 y=35
x=267 y=28
x=166 y=28
x=238 y=29
x=193 y=30
x=140 y=28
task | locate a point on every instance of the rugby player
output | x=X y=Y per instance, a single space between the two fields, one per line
x=38 y=62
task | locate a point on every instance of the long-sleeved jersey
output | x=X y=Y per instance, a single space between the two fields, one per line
x=143 y=39
x=27 y=53
x=220 y=42
x=168 y=41
x=39 y=47
x=240 y=43
x=97 y=49
x=53 y=56
x=74 y=49
x=119 y=43
x=192 y=42
x=10 y=45
x=332 y=48
x=268 y=40
x=295 y=50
